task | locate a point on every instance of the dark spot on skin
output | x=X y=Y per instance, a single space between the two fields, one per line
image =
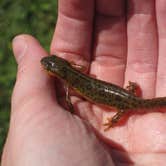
x=88 y=87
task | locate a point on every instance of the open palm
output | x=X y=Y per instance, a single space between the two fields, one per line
x=122 y=42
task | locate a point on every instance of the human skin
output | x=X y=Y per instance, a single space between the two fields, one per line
x=120 y=45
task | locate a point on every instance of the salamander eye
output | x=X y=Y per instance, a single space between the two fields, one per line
x=51 y=64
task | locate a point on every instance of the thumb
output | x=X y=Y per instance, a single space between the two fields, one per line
x=32 y=84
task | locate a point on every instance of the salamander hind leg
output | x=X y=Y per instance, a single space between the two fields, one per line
x=111 y=121
x=68 y=99
x=134 y=89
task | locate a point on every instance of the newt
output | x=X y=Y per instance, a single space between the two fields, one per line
x=98 y=91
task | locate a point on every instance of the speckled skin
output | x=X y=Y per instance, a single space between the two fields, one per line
x=98 y=91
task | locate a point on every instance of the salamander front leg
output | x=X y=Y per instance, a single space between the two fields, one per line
x=113 y=120
x=79 y=67
x=68 y=99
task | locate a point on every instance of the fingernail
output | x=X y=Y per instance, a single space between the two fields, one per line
x=19 y=47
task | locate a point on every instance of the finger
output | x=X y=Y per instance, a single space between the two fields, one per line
x=109 y=41
x=32 y=84
x=161 y=74
x=142 y=45
x=73 y=32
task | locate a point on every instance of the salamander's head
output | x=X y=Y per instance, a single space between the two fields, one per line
x=55 y=65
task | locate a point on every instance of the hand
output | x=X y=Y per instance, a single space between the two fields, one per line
x=43 y=133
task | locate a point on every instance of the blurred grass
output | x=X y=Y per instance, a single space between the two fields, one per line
x=33 y=17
